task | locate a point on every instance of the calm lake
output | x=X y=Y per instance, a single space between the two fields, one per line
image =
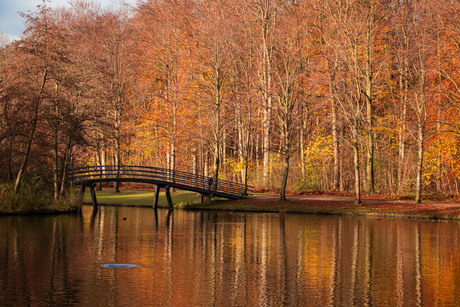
x=186 y=258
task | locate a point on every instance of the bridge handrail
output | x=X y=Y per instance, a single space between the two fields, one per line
x=156 y=173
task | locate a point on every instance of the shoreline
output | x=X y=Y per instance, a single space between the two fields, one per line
x=372 y=208
x=43 y=211
x=324 y=205
x=297 y=204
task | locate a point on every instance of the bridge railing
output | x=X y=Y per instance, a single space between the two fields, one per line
x=156 y=174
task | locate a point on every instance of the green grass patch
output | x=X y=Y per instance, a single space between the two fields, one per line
x=142 y=198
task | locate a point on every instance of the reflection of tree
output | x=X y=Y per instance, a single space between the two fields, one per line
x=238 y=259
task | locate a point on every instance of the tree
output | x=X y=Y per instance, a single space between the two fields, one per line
x=213 y=74
x=111 y=57
x=244 y=89
x=291 y=58
x=162 y=44
x=420 y=28
x=38 y=51
x=266 y=12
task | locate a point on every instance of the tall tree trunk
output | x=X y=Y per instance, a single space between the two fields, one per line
x=421 y=110
x=355 y=146
x=65 y=165
x=285 y=178
x=117 y=156
x=217 y=130
x=216 y=167
x=418 y=184
x=335 y=142
x=116 y=185
x=401 y=133
x=56 y=166
x=10 y=160
x=302 y=140
x=370 y=184
x=31 y=135
x=244 y=138
x=265 y=75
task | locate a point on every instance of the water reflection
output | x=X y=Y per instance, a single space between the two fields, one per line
x=208 y=258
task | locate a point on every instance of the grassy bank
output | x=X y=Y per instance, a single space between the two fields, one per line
x=295 y=204
x=142 y=198
x=34 y=199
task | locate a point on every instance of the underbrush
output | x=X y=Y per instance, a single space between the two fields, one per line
x=34 y=196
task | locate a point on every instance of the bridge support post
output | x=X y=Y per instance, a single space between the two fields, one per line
x=82 y=189
x=168 y=197
x=93 y=196
x=155 y=200
x=207 y=196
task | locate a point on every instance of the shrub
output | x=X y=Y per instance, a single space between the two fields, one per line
x=304 y=186
x=34 y=196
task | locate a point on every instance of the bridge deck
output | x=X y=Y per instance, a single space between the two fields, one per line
x=161 y=177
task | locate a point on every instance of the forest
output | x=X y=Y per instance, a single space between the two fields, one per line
x=333 y=96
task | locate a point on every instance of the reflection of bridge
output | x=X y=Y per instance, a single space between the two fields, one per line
x=160 y=177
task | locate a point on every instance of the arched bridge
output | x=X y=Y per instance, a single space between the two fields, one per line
x=160 y=177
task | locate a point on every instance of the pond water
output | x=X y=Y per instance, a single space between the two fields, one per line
x=136 y=257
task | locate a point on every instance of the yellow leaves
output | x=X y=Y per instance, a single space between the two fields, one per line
x=319 y=150
x=236 y=165
x=442 y=158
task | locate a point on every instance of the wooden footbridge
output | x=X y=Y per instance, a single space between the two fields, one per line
x=164 y=178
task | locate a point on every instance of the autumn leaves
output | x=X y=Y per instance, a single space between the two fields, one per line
x=240 y=89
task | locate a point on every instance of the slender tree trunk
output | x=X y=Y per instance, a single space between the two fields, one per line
x=356 y=165
x=216 y=167
x=244 y=138
x=401 y=134
x=370 y=147
x=56 y=166
x=341 y=160
x=370 y=184
x=65 y=166
x=217 y=130
x=421 y=110
x=116 y=185
x=418 y=184
x=265 y=76
x=31 y=136
x=285 y=178
x=302 y=140
x=194 y=162
x=10 y=160
x=99 y=162
x=335 y=142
